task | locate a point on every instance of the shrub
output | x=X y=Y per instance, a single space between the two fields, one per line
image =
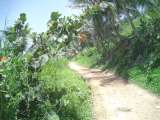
x=51 y=92
x=21 y=97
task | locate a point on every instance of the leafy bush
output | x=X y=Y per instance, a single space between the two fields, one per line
x=51 y=92
x=20 y=93
x=126 y=29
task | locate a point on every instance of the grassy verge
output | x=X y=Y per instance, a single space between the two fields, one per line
x=150 y=81
x=88 y=57
x=67 y=91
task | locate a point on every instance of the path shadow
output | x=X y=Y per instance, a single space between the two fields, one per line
x=112 y=79
x=106 y=79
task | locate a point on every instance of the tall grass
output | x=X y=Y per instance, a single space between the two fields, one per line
x=67 y=91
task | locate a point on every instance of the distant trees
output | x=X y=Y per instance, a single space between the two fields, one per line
x=107 y=15
x=109 y=18
x=16 y=36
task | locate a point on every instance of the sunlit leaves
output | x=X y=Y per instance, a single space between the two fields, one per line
x=63 y=29
x=23 y=17
x=55 y=16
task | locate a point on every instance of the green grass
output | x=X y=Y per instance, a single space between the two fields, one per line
x=149 y=81
x=68 y=92
x=88 y=57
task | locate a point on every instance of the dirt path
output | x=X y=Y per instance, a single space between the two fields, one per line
x=114 y=99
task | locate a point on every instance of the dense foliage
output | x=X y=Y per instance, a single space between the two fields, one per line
x=126 y=36
x=34 y=83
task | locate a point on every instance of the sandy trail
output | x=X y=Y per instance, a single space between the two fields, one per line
x=114 y=99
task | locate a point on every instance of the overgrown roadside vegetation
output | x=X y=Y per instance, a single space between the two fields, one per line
x=135 y=74
x=35 y=82
x=67 y=91
x=124 y=36
x=52 y=93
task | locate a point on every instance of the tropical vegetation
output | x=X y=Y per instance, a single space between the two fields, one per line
x=35 y=81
